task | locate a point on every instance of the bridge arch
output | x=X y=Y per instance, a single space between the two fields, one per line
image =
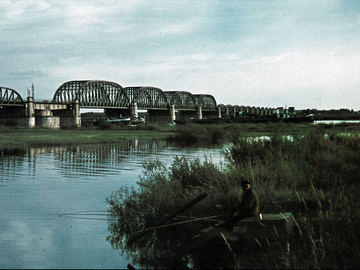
x=147 y=97
x=236 y=109
x=9 y=96
x=181 y=99
x=92 y=94
x=103 y=94
x=205 y=101
x=230 y=109
x=222 y=108
x=68 y=91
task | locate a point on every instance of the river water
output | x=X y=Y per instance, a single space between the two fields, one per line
x=53 y=201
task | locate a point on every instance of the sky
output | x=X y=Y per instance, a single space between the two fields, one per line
x=263 y=53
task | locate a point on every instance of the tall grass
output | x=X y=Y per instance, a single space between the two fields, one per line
x=311 y=174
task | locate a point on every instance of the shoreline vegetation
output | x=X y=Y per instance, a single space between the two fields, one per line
x=310 y=170
x=23 y=138
x=314 y=173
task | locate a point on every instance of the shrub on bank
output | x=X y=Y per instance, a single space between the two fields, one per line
x=312 y=175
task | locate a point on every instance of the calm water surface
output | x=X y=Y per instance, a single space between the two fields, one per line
x=53 y=201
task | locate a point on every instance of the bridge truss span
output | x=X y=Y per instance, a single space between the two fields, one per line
x=207 y=102
x=181 y=100
x=147 y=97
x=92 y=94
x=9 y=96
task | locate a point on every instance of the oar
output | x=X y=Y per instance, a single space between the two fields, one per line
x=181 y=209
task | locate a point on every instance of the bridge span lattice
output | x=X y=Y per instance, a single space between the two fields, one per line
x=9 y=96
x=107 y=94
x=147 y=97
x=92 y=94
x=161 y=106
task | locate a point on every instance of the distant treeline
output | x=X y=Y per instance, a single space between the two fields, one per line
x=342 y=114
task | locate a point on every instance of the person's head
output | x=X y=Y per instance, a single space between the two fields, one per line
x=245 y=185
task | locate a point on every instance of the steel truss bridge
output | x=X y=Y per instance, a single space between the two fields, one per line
x=9 y=96
x=105 y=94
x=111 y=95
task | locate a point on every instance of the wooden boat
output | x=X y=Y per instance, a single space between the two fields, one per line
x=251 y=230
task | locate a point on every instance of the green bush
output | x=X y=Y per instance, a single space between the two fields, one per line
x=311 y=174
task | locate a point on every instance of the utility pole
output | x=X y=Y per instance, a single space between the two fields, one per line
x=33 y=90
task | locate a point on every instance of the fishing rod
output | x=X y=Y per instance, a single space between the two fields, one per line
x=178 y=216
x=176 y=223
x=172 y=215
x=89 y=214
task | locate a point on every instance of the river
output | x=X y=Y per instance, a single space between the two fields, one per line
x=53 y=201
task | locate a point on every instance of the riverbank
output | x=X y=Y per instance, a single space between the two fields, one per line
x=314 y=174
x=21 y=138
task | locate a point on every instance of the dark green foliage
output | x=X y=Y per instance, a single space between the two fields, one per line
x=193 y=174
x=312 y=174
x=193 y=133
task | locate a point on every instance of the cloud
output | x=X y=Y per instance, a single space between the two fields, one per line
x=18 y=11
x=28 y=74
x=199 y=46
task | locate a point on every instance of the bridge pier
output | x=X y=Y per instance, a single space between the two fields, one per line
x=52 y=115
x=75 y=119
x=134 y=110
x=30 y=111
x=172 y=113
x=219 y=112
x=47 y=119
x=199 y=112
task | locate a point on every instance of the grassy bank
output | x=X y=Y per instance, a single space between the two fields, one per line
x=215 y=134
x=19 y=138
x=12 y=138
x=314 y=174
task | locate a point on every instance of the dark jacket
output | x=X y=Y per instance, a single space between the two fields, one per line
x=249 y=205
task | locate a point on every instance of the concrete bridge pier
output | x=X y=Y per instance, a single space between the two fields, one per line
x=30 y=112
x=219 y=111
x=199 y=112
x=71 y=116
x=172 y=114
x=76 y=114
x=134 y=110
x=47 y=119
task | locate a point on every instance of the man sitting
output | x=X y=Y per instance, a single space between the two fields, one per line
x=248 y=207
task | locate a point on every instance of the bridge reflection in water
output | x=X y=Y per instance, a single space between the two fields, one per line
x=96 y=160
x=87 y=160
x=93 y=160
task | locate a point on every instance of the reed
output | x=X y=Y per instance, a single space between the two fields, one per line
x=310 y=173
